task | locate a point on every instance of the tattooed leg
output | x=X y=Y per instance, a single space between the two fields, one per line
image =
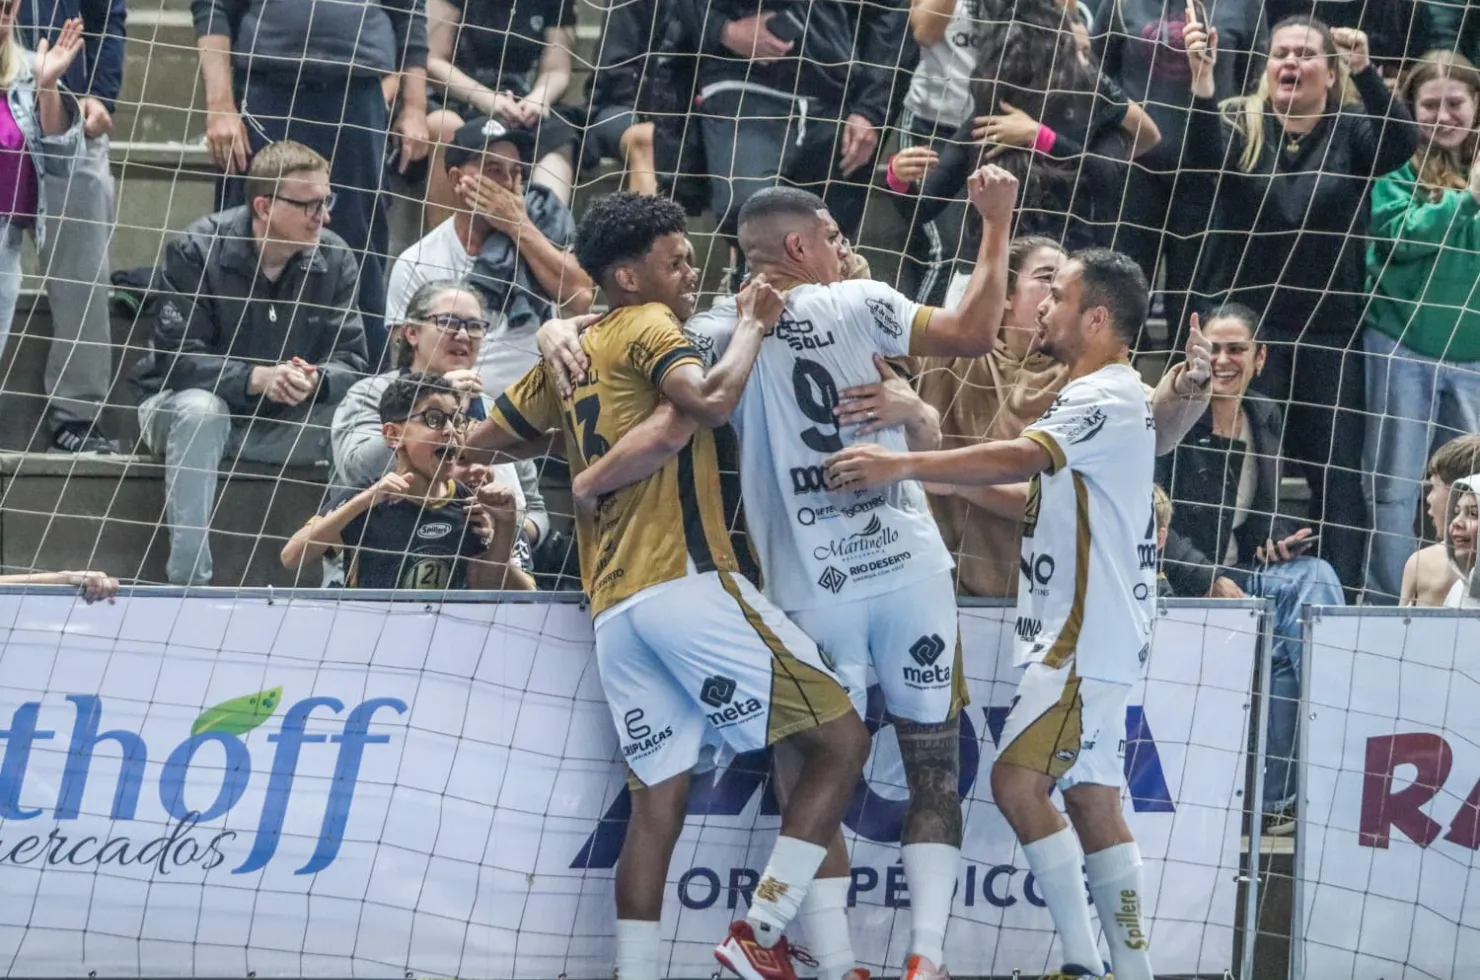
x=932 y=765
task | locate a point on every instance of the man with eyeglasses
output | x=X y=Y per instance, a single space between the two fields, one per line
x=510 y=240
x=256 y=341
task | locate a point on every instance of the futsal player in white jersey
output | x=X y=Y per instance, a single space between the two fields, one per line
x=1081 y=478
x=865 y=574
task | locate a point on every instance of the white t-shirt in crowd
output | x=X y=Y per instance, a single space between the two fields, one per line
x=940 y=88
x=504 y=356
x=816 y=547
x=1088 y=561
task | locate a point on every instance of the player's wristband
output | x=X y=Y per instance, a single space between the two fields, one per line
x=1044 y=141
x=896 y=184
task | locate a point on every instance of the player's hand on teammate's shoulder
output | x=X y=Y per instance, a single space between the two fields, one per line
x=861 y=466
x=559 y=343
x=992 y=191
x=760 y=303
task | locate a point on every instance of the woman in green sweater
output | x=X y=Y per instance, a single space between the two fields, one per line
x=1423 y=323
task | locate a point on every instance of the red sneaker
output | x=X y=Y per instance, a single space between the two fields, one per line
x=746 y=958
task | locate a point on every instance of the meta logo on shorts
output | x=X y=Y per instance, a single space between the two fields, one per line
x=719 y=693
x=801 y=335
x=807 y=479
x=926 y=651
x=832 y=580
x=642 y=741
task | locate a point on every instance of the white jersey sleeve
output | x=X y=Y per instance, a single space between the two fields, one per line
x=892 y=317
x=1088 y=560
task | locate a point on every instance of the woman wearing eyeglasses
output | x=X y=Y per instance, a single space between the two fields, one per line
x=443 y=330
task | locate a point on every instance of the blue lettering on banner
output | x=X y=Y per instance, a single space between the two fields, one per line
x=211 y=754
x=869 y=815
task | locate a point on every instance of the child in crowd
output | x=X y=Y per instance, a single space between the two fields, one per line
x=1428 y=576
x=417 y=527
x=1464 y=521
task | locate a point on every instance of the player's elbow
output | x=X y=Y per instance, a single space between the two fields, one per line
x=710 y=413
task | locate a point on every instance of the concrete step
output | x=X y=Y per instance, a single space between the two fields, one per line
x=70 y=512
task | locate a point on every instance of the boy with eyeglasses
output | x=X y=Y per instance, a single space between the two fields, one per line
x=417 y=527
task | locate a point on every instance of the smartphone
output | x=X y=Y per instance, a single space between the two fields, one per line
x=787 y=25
x=1305 y=544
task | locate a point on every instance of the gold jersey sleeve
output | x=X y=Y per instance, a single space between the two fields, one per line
x=659 y=529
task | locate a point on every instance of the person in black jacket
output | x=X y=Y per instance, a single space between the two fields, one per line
x=255 y=342
x=1227 y=539
x=1043 y=112
x=1288 y=235
x=793 y=90
x=631 y=34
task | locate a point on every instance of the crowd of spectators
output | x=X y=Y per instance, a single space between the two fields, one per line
x=1300 y=180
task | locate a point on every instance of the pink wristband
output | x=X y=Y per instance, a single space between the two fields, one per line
x=895 y=184
x=1044 y=141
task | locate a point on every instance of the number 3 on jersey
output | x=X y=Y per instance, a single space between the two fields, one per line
x=817 y=398
x=584 y=416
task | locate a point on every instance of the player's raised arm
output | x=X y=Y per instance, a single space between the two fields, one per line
x=524 y=422
x=709 y=397
x=970 y=330
x=636 y=456
x=1010 y=461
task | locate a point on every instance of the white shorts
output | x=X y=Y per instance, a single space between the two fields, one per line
x=1070 y=727
x=708 y=655
x=910 y=637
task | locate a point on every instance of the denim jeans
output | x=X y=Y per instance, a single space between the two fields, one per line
x=1292 y=585
x=194 y=431
x=1416 y=404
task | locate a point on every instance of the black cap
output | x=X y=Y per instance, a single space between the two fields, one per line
x=473 y=138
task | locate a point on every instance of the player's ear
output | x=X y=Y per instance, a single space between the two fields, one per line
x=793 y=245
x=625 y=278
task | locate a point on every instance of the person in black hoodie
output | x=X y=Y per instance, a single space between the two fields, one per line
x=1288 y=235
x=796 y=91
x=1227 y=539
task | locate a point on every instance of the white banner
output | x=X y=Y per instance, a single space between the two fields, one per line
x=211 y=786
x=1388 y=888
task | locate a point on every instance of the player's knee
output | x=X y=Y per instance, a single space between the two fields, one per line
x=1018 y=789
x=638 y=139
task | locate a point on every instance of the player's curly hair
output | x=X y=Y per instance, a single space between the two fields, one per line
x=621 y=227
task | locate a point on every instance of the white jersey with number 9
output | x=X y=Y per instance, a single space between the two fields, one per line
x=818 y=547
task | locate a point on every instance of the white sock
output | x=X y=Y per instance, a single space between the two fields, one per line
x=782 y=887
x=638 y=949
x=1055 y=863
x=930 y=870
x=824 y=921
x=1115 y=881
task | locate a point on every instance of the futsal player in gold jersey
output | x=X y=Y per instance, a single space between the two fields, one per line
x=685 y=645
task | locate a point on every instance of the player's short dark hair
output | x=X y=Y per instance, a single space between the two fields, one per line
x=771 y=202
x=1236 y=311
x=1115 y=281
x=403 y=394
x=622 y=227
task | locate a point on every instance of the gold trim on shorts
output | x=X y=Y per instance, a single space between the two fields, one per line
x=1051 y=742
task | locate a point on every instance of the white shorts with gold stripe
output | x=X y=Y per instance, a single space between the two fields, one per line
x=704 y=656
x=1072 y=728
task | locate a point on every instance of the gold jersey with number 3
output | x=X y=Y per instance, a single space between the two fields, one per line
x=659 y=529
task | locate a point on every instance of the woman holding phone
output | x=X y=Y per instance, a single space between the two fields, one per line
x=1287 y=237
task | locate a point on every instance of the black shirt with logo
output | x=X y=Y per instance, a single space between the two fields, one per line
x=501 y=41
x=409 y=544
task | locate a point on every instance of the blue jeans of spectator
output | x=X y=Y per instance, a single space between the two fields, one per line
x=194 y=431
x=1415 y=404
x=1292 y=585
x=346 y=122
